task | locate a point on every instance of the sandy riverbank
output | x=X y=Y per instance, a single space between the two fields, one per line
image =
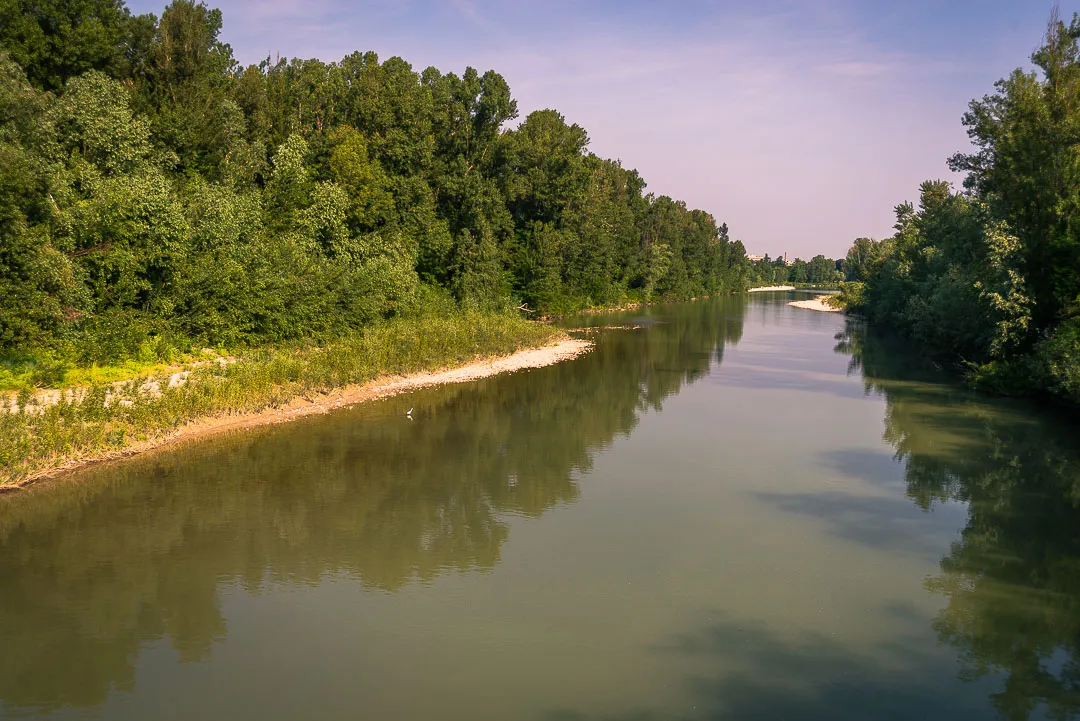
x=381 y=387
x=818 y=303
x=770 y=288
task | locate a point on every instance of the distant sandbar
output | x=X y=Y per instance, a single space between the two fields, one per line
x=818 y=303
x=768 y=288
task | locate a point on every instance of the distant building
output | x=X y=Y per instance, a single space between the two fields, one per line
x=755 y=258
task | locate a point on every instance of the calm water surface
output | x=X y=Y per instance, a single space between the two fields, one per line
x=740 y=510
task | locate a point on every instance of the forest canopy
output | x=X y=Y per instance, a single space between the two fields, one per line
x=156 y=194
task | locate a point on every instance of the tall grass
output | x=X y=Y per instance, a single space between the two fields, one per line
x=37 y=439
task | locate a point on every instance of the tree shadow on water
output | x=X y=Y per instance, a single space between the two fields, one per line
x=875 y=467
x=817 y=677
x=763 y=675
x=636 y=715
x=882 y=523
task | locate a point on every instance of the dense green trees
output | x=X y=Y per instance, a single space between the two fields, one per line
x=989 y=277
x=155 y=194
x=54 y=40
x=819 y=270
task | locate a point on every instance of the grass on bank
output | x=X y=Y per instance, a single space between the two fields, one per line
x=17 y=378
x=35 y=439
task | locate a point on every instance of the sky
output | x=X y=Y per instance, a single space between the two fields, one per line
x=799 y=123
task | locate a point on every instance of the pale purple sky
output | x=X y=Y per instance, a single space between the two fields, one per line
x=800 y=123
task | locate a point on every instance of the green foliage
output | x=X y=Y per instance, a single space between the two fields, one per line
x=851 y=296
x=157 y=195
x=59 y=39
x=93 y=129
x=1027 y=165
x=858 y=260
x=944 y=279
x=370 y=198
x=818 y=272
x=822 y=270
x=1059 y=359
x=987 y=279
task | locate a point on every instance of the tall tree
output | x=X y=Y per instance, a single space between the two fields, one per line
x=1028 y=167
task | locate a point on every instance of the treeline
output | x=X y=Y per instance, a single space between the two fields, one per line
x=154 y=194
x=988 y=278
x=819 y=270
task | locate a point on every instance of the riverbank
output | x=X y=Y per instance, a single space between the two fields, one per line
x=819 y=303
x=272 y=386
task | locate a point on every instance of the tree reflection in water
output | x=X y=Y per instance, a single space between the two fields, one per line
x=93 y=568
x=1012 y=581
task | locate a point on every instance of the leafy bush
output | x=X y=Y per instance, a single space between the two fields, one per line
x=1059 y=358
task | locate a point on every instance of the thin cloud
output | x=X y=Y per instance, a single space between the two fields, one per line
x=471 y=12
x=856 y=69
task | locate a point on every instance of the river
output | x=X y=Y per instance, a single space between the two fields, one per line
x=734 y=510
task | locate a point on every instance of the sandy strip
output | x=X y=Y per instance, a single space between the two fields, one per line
x=381 y=387
x=770 y=288
x=817 y=303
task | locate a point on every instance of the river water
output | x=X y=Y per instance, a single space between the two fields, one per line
x=737 y=510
